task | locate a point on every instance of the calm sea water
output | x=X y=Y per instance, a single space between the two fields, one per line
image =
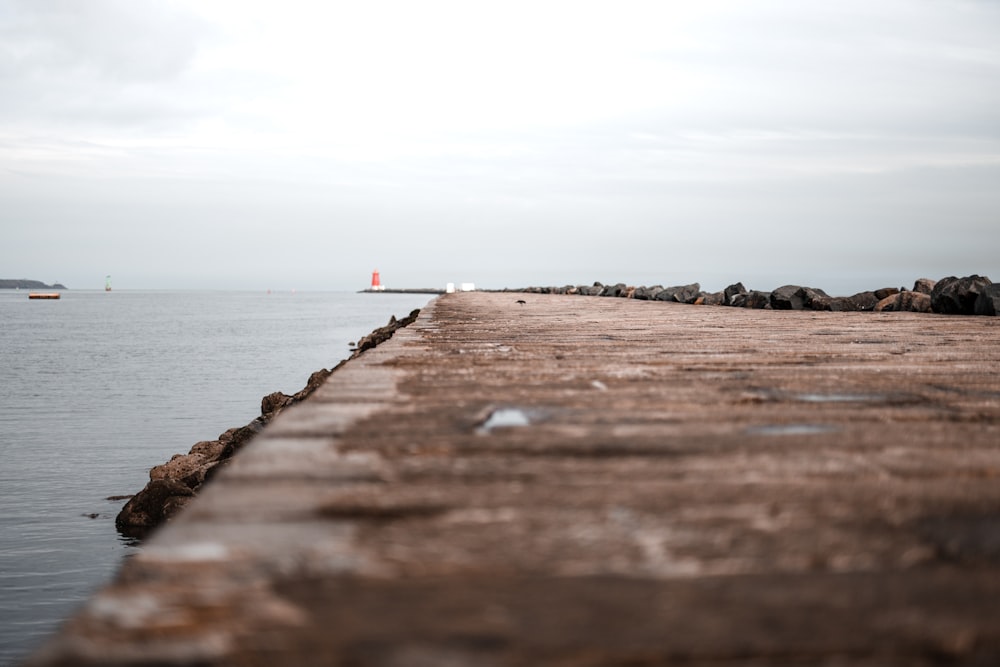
x=96 y=388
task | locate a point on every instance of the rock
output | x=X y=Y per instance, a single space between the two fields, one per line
x=711 y=299
x=884 y=292
x=924 y=285
x=210 y=450
x=272 y=404
x=647 y=293
x=810 y=294
x=312 y=384
x=730 y=293
x=188 y=469
x=906 y=301
x=859 y=301
x=234 y=439
x=787 y=297
x=752 y=299
x=957 y=296
x=988 y=301
x=687 y=293
x=832 y=303
x=615 y=290
x=152 y=506
x=887 y=305
x=915 y=302
x=680 y=293
x=796 y=297
x=862 y=301
x=383 y=334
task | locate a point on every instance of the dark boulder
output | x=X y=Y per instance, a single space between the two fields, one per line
x=831 y=303
x=884 y=292
x=988 y=301
x=758 y=300
x=862 y=301
x=731 y=292
x=752 y=299
x=647 y=293
x=924 y=285
x=795 y=297
x=680 y=293
x=859 y=301
x=787 y=297
x=616 y=290
x=687 y=293
x=711 y=299
x=957 y=296
x=152 y=506
x=810 y=294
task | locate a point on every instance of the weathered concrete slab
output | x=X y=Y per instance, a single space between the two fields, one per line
x=587 y=481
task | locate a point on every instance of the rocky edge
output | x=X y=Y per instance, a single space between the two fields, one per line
x=971 y=295
x=173 y=484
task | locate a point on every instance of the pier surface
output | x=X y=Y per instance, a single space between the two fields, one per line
x=596 y=481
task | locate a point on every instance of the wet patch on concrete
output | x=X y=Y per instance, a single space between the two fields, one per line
x=508 y=417
x=505 y=417
x=813 y=397
x=768 y=395
x=791 y=429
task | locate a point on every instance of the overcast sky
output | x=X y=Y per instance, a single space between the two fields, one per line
x=237 y=144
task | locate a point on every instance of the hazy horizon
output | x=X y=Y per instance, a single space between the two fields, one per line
x=835 y=286
x=224 y=145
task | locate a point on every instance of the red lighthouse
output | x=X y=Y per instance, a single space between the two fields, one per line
x=376 y=285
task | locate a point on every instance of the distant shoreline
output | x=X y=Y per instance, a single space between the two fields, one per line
x=21 y=283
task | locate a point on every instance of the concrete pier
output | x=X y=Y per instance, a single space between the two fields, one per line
x=596 y=481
